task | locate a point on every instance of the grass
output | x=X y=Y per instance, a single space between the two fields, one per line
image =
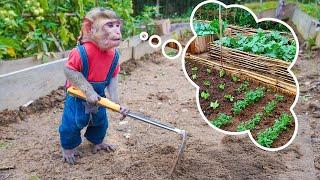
x=311 y=9
x=256 y=8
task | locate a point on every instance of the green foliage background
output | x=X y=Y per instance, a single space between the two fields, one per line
x=38 y=27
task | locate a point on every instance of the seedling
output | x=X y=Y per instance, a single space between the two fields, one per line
x=234 y=78
x=279 y=98
x=251 y=124
x=194 y=77
x=270 y=107
x=221 y=120
x=243 y=87
x=222 y=72
x=267 y=137
x=250 y=98
x=205 y=95
x=221 y=86
x=194 y=70
x=209 y=71
x=229 y=97
x=207 y=83
x=214 y=105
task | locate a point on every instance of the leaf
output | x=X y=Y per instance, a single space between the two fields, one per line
x=205 y=95
x=44 y=4
x=221 y=120
x=214 y=105
x=44 y=47
x=11 y=52
x=222 y=72
x=31 y=46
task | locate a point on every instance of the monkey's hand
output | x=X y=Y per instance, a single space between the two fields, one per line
x=124 y=111
x=113 y=91
x=77 y=79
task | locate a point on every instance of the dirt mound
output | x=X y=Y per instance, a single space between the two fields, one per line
x=128 y=66
x=237 y=158
x=53 y=100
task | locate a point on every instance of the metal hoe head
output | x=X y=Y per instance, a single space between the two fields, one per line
x=155 y=122
x=183 y=135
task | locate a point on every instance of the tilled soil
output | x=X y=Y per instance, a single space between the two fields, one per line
x=225 y=105
x=31 y=149
x=308 y=107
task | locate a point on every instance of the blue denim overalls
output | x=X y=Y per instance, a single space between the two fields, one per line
x=74 y=117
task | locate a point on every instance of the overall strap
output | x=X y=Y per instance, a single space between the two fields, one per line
x=113 y=66
x=84 y=60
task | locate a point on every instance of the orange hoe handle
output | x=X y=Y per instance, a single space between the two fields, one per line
x=104 y=102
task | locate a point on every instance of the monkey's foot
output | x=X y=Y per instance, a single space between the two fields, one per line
x=103 y=146
x=69 y=155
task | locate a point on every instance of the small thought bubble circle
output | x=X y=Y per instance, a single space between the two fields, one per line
x=155 y=38
x=144 y=36
x=171 y=41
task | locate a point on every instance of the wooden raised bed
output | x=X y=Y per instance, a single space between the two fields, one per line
x=266 y=66
x=201 y=44
x=244 y=72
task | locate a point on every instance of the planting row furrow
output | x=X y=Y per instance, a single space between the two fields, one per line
x=268 y=136
x=251 y=97
x=255 y=120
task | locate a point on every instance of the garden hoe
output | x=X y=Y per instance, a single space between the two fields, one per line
x=104 y=102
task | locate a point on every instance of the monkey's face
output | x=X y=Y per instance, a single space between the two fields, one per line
x=107 y=33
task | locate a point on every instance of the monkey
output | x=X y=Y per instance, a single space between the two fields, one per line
x=280 y=9
x=92 y=67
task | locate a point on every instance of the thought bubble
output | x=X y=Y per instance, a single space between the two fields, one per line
x=243 y=77
x=171 y=48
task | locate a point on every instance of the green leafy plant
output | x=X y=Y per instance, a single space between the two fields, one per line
x=40 y=27
x=209 y=71
x=250 y=98
x=205 y=95
x=270 y=107
x=251 y=124
x=279 y=98
x=221 y=86
x=221 y=120
x=268 y=136
x=146 y=17
x=209 y=28
x=243 y=87
x=271 y=44
x=234 y=78
x=229 y=97
x=222 y=72
x=194 y=70
x=214 y=105
x=207 y=83
x=194 y=77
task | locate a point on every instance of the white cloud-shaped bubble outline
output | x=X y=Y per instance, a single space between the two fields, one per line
x=289 y=69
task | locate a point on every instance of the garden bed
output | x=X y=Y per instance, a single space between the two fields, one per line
x=270 y=67
x=220 y=90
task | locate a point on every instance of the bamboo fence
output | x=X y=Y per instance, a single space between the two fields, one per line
x=277 y=84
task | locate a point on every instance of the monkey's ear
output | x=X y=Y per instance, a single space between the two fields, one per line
x=86 y=24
